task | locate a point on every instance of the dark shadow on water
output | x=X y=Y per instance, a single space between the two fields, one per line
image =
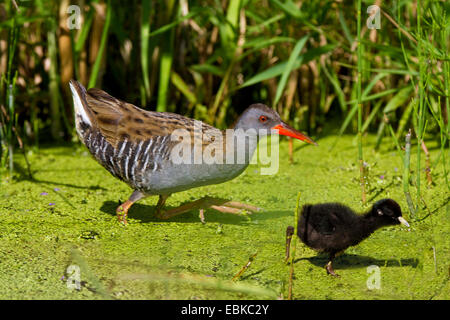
x=146 y=214
x=21 y=174
x=352 y=261
x=250 y=275
x=99 y=169
x=380 y=191
x=444 y=203
x=304 y=145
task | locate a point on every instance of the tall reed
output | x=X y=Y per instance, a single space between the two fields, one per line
x=406 y=174
x=8 y=117
x=360 y=107
x=145 y=36
x=54 y=84
x=167 y=55
x=420 y=112
x=211 y=59
x=98 y=60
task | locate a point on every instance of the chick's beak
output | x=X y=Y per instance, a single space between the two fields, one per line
x=286 y=130
x=403 y=221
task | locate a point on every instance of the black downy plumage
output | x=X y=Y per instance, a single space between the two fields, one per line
x=333 y=227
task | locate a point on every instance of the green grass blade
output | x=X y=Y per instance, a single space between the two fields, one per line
x=278 y=69
x=178 y=82
x=173 y=24
x=54 y=86
x=145 y=36
x=228 y=28
x=86 y=27
x=289 y=67
x=405 y=118
x=165 y=68
x=208 y=68
x=344 y=26
x=398 y=100
x=288 y=8
x=372 y=115
x=96 y=68
x=332 y=77
x=373 y=96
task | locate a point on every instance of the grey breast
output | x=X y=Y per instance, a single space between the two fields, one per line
x=169 y=176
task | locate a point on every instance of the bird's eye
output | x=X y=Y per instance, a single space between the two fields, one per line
x=262 y=119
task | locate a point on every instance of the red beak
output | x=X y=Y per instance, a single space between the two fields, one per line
x=287 y=130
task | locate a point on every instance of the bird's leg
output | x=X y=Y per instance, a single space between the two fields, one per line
x=239 y=205
x=226 y=209
x=329 y=266
x=234 y=207
x=161 y=201
x=222 y=205
x=201 y=215
x=289 y=233
x=197 y=204
x=122 y=209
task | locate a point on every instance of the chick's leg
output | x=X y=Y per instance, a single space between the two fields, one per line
x=329 y=266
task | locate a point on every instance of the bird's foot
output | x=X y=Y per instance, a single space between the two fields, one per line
x=221 y=205
x=121 y=215
x=235 y=207
x=122 y=212
x=330 y=270
x=122 y=209
x=201 y=215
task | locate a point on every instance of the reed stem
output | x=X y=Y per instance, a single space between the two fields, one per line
x=245 y=267
x=421 y=111
x=166 y=60
x=446 y=71
x=406 y=164
x=11 y=124
x=98 y=60
x=360 y=109
x=145 y=36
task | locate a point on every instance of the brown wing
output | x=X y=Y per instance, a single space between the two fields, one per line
x=118 y=120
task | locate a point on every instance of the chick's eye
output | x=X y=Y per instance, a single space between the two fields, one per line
x=262 y=119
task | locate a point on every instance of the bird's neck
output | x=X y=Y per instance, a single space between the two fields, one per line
x=240 y=146
x=239 y=123
x=370 y=223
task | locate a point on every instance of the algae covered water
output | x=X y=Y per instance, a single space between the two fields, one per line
x=60 y=238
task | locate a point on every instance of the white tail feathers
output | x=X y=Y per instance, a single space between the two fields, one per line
x=80 y=111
